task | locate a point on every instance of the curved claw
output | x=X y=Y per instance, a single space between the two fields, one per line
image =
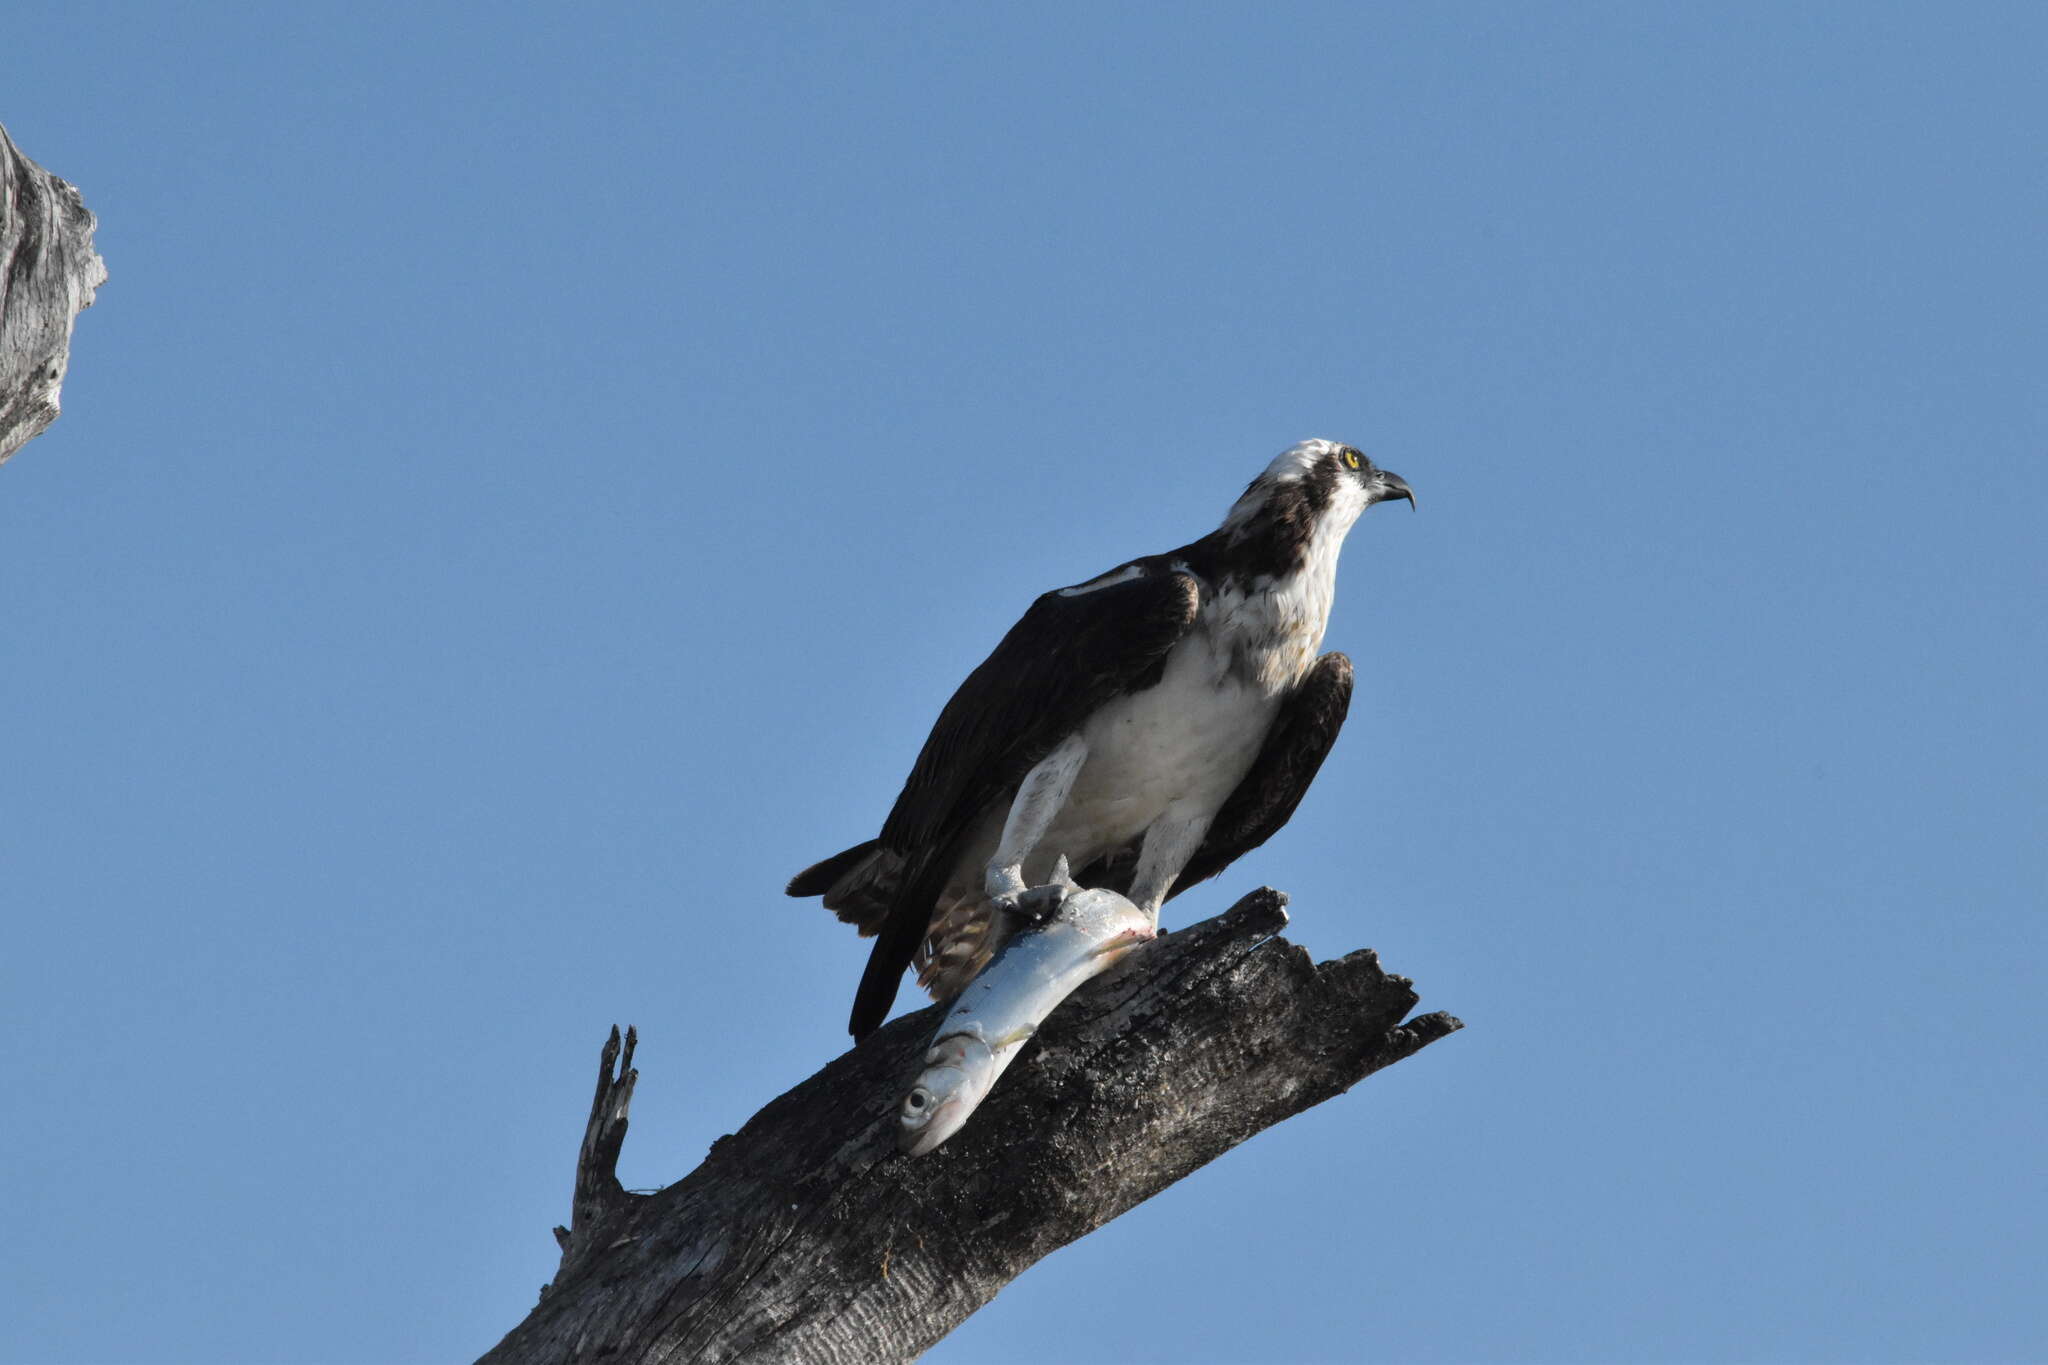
x=1040 y=903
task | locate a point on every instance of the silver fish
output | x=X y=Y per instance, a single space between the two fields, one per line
x=1003 y=1006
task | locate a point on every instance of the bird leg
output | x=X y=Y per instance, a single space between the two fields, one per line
x=1169 y=843
x=1039 y=797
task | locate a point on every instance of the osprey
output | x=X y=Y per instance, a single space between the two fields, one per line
x=1150 y=725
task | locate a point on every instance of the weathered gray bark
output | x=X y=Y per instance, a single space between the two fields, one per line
x=806 y=1237
x=48 y=272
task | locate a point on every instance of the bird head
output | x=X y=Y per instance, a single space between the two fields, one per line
x=1341 y=469
x=1316 y=481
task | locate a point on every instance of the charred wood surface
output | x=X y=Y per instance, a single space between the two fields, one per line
x=48 y=272
x=806 y=1237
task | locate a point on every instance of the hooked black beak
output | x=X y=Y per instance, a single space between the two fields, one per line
x=1388 y=486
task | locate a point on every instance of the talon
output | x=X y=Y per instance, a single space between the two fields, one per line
x=1040 y=903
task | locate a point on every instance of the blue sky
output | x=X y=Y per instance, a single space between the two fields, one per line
x=534 y=474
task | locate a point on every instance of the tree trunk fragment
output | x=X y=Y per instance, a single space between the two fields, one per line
x=48 y=273
x=807 y=1237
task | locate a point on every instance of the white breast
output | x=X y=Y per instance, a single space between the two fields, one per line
x=1183 y=745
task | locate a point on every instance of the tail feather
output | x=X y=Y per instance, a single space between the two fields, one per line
x=817 y=879
x=858 y=885
x=947 y=944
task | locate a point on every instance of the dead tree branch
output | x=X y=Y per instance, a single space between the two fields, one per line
x=48 y=272
x=806 y=1237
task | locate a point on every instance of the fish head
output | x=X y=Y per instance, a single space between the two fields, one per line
x=958 y=1071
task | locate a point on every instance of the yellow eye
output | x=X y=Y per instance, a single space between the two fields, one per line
x=1351 y=458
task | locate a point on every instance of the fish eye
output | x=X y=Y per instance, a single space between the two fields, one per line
x=1351 y=458
x=916 y=1100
